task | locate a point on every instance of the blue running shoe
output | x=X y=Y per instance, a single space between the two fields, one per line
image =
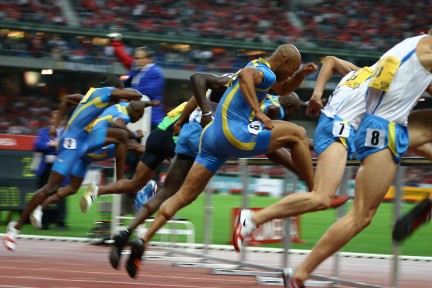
x=145 y=194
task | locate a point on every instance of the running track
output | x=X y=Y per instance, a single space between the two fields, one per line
x=43 y=263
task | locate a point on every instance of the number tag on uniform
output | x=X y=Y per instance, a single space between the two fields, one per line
x=375 y=138
x=254 y=127
x=341 y=129
x=358 y=78
x=69 y=143
x=384 y=73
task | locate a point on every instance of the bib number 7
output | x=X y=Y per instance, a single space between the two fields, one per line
x=341 y=129
x=375 y=138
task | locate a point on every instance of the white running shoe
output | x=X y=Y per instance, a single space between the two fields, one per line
x=36 y=217
x=245 y=226
x=89 y=197
x=10 y=238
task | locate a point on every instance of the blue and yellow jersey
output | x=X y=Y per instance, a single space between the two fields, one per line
x=90 y=107
x=233 y=105
x=272 y=100
x=107 y=117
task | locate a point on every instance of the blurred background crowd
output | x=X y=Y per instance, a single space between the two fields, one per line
x=51 y=48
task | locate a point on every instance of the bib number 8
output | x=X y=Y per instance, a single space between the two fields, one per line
x=375 y=138
x=254 y=127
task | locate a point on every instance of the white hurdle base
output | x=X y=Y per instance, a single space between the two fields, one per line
x=317 y=281
x=279 y=281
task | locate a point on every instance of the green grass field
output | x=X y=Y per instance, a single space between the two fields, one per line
x=375 y=239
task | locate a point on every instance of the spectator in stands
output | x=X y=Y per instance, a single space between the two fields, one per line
x=48 y=149
x=145 y=75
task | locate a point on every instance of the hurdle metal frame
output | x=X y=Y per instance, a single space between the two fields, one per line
x=270 y=275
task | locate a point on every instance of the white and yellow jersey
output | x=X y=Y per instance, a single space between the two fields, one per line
x=400 y=80
x=344 y=101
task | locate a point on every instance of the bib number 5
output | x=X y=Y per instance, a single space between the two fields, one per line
x=375 y=138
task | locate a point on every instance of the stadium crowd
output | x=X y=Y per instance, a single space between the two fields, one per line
x=324 y=24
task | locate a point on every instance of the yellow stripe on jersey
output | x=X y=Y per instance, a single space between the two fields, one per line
x=262 y=61
x=202 y=133
x=98 y=156
x=96 y=121
x=392 y=138
x=89 y=92
x=225 y=127
x=176 y=111
x=96 y=101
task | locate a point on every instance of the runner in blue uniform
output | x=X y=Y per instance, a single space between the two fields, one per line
x=233 y=133
x=114 y=117
x=72 y=144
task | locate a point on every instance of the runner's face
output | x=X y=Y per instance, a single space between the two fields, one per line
x=287 y=70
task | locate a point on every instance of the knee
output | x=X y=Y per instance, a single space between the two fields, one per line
x=299 y=134
x=123 y=136
x=320 y=202
x=167 y=210
x=362 y=220
x=48 y=190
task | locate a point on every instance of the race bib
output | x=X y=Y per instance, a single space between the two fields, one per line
x=69 y=143
x=358 y=78
x=254 y=127
x=384 y=73
x=375 y=138
x=341 y=129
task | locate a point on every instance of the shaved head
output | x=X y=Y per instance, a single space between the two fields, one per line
x=136 y=110
x=285 y=61
x=288 y=51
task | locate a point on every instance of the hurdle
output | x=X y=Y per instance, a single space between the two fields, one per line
x=273 y=276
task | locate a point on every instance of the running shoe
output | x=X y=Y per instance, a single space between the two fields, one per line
x=408 y=223
x=36 y=217
x=10 y=238
x=289 y=280
x=144 y=195
x=243 y=228
x=339 y=200
x=89 y=197
x=134 y=262
x=120 y=241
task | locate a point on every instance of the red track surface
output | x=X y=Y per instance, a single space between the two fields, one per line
x=42 y=263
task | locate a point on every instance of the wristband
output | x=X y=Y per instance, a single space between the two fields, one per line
x=207 y=114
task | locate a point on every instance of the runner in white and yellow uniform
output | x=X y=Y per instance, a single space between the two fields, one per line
x=399 y=79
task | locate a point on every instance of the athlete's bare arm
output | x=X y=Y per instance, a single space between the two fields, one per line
x=187 y=110
x=292 y=83
x=424 y=52
x=66 y=103
x=249 y=77
x=330 y=66
x=200 y=82
x=126 y=94
x=121 y=124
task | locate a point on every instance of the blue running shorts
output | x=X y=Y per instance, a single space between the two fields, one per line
x=375 y=134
